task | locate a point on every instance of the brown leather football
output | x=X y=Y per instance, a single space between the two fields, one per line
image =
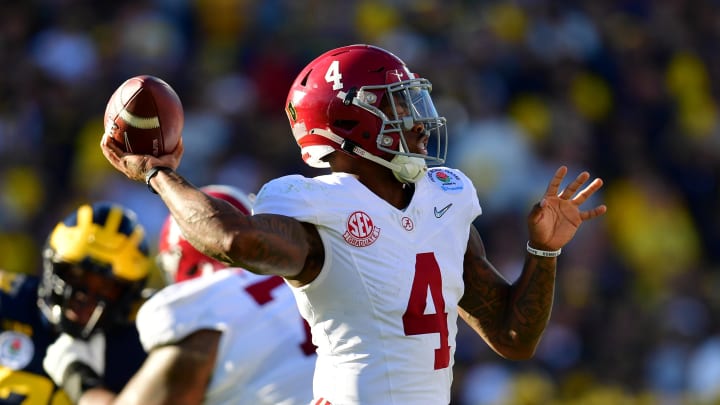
x=145 y=116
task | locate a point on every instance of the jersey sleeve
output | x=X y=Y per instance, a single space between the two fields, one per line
x=457 y=186
x=181 y=309
x=475 y=209
x=288 y=196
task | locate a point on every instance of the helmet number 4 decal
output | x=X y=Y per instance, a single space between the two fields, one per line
x=334 y=76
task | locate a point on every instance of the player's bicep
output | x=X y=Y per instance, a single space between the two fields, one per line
x=177 y=374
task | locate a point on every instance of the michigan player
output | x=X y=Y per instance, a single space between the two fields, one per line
x=95 y=265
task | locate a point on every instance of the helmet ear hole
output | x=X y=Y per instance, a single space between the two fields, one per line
x=193 y=271
x=304 y=80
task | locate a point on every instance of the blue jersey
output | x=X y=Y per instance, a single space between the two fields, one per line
x=25 y=336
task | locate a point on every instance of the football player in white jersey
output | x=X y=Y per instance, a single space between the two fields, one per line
x=217 y=335
x=381 y=253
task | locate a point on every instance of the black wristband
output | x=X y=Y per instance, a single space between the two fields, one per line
x=78 y=378
x=152 y=173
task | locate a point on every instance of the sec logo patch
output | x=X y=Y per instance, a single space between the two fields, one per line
x=361 y=231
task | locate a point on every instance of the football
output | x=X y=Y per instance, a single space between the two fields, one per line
x=145 y=116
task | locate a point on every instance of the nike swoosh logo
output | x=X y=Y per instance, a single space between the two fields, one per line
x=439 y=213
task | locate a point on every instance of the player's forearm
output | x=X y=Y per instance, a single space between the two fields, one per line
x=264 y=244
x=196 y=214
x=510 y=317
x=532 y=300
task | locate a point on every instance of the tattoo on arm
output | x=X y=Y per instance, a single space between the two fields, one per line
x=505 y=314
x=275 y=244
x=533 y=296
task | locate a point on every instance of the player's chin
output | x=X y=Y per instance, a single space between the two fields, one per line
x=420 y=150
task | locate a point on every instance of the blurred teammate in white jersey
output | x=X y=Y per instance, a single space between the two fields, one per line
x=217 y=335
x=382 y=254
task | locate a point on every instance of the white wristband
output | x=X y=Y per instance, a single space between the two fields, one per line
x=543 y=253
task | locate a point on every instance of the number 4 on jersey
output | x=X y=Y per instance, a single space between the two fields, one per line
x=415 y=320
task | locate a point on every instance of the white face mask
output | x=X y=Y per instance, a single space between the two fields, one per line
x=408 y=169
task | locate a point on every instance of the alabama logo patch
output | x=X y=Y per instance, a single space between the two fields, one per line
x=361 y=231
x=447 y=180
x=16 y=350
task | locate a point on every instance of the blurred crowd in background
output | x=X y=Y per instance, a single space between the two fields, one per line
x=625 y=89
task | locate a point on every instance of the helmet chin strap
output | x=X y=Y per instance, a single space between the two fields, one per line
x=411 y=169
x=93 y=320
x=406 y=169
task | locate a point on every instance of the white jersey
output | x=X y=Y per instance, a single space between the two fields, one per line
x=265 y=354
x=383 y=310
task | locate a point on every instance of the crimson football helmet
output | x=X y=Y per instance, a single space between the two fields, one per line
x=177 y=258
x=360 y=99
x=96 y=263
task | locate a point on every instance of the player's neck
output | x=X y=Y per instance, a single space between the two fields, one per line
x=378 y=179
x=389 y=189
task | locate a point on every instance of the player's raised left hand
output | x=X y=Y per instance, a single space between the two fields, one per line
x=554 y=220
